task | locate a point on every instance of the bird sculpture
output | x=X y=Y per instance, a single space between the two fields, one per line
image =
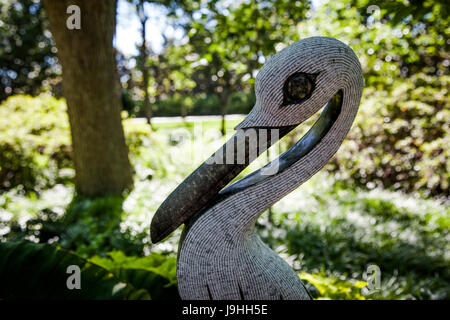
x=220 y=255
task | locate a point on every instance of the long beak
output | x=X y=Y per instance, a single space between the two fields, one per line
x=204 y=184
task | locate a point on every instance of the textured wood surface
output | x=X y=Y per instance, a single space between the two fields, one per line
x=220 y=255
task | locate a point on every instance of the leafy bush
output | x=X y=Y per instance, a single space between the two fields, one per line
x=34 y=142
x=336 y=233
x=400 y=138
x=330 y=287
x=155 y=273
x=88 y=227
x=39 y=271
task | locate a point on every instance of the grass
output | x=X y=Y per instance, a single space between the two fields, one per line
x=207 y=124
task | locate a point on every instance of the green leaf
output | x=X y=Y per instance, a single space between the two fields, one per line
x=155 y=273
x=39 y=271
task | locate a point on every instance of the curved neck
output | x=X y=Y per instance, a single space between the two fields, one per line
x=242 y=204
x=236 y=211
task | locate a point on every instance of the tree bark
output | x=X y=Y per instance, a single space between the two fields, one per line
x=147 y=107
x=143 y=57
x=100 y=154
x=224 y=101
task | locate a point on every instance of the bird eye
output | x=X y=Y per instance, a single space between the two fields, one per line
x=298 y=87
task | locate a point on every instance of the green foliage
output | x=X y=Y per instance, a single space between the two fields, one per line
x=324 y=228
x=35 y=150
x=240 y=103
x=333 y=288
x=228 y=45
x=88 y=226
x=27 y=54
x=39 y=271
x=329 y=230
x=35 y=143
x=93 y=226
x=155 y=273
x=400 y=138
x=413 y=34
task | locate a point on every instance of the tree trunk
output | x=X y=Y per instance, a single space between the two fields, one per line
x=100 y=154
x=224 y=101
x=143 y=57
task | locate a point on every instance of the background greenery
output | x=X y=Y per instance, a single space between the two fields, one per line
x=383 y=199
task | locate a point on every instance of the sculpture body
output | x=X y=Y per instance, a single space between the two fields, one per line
x=220 y=255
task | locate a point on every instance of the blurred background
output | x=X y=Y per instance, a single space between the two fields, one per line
x=182 y=76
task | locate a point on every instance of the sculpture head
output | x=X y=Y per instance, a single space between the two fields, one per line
x=299 y=80
x=291 y=87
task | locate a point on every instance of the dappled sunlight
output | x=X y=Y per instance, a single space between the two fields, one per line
x=84 y=170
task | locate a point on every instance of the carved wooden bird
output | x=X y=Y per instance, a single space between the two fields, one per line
x=220 y=254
